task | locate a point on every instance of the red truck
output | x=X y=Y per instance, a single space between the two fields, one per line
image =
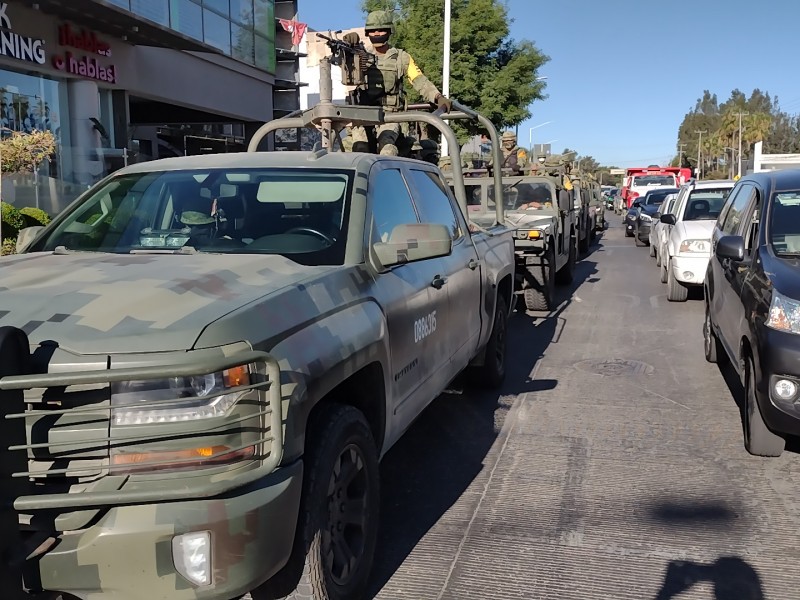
x=638 y=180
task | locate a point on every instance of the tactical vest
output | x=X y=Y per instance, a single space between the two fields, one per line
x=512 y=160
x=385 y=81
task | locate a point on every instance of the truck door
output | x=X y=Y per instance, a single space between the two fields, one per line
x=415 y=305
x=462 y=270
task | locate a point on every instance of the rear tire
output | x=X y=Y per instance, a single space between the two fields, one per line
x=758 y=440
x=567 y=273
x=652 y=251
x=338 y=525
x=663 y=270
x=492 y=373
x=676 y=291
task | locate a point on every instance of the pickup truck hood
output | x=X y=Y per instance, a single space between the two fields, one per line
x=95 y=303
x=528 y=219
x=694 y=230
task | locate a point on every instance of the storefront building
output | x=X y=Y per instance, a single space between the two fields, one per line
x=121 y=81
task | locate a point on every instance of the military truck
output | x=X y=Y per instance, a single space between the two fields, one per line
x=542 y=207
x=203 y=359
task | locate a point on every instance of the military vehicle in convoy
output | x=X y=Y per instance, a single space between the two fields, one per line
x=203 y=359
x=544 y=209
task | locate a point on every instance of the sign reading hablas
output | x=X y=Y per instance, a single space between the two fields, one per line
x=85 y=66
x=16 y=46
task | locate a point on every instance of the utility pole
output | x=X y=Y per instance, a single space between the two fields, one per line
x=680 y=154
x=699 y=145
x=741 y=114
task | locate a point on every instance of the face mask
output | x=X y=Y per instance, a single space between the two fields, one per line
x=378 y=40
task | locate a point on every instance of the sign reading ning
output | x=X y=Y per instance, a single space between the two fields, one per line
x=16 y=46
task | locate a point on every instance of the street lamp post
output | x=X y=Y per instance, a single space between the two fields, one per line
x=446 y=65
x=530 y=133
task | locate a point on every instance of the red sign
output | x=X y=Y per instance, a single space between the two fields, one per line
x=85 y=66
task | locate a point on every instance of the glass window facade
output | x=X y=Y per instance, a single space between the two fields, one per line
x=242 y=29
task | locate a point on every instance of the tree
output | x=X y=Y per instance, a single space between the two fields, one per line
x=488 y=71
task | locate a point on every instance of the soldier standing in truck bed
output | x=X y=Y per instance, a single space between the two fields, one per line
x=514 y=158
x=385 y=83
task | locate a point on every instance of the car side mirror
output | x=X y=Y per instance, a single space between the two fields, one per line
x=413 y=242
x=668 y=219
x=26 y=236
x=732 y=247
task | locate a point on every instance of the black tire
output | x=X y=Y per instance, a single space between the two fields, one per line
x=663 y=271
x=341 y=456
x=583 y=245
x=758 y=439
x=636 y=240
x=676 y=291
x=652 y=251
x=492 y=373
x=567 y=273
x=658 y=256
x=627 y=233
x=712 y=347
x=540 y=284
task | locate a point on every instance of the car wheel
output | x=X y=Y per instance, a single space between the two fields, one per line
x=567 y=272
x=627 y=233
x=714 y=351
x=636 y=239
x=657 y=255
x=338 y=524
x=492 y=372
x=663 y=269
x=540 y=284
x=583 y=245
x=758 y=440
x=652 y=251
x=676 y=291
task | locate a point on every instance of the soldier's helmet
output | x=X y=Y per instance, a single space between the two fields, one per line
x=193 y=217
x=379 y=20
x=509 y=136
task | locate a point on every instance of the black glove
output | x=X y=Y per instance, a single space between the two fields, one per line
x=351 y=38
x=444 y=102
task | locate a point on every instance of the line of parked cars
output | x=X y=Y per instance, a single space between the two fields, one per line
x=740 y=242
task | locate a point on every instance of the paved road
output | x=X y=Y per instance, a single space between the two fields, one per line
x=591 y=477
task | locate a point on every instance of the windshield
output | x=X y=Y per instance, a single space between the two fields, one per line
x=296 y=213
x=785 y=222
x=654 y=180
x=705 y=205
x=526 y=195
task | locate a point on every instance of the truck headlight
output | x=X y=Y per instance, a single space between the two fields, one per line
x=529 y=234
x=784 y=313
x=695 y=247
x=177 y=398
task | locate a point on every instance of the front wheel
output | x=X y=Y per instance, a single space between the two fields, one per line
x=676 y=291
x=652 y=251
x=540 y=284
x=338 y=524
x=758 y=440
x=567 y=272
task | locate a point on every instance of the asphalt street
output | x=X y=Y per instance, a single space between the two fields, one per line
x=610 y=466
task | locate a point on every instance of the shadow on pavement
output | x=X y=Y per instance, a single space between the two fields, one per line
x=437 y=459
x=732 y=577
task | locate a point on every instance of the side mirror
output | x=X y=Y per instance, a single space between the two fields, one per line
x=731 y=246
x=26 y=236
x=668 y=219
x=412 y=242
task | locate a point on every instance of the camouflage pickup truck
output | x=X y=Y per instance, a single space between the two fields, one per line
x=203 y=359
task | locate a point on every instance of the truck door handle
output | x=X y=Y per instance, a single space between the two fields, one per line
x=438 y=282
x=473 y=264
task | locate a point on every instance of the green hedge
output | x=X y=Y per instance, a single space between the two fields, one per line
x=13 y=220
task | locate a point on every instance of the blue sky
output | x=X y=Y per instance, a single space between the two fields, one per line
x=623 y=73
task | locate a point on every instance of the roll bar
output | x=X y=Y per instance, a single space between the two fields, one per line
x=325 y=114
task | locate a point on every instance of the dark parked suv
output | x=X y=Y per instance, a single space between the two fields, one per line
x=752 y=292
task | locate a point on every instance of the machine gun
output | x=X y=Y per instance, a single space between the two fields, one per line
x=354 y=60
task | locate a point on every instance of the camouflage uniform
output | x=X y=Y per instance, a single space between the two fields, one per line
x=384 y=87
x=514 y=157
x=426 y=150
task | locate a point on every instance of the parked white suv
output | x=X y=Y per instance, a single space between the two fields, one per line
x=685 y=255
